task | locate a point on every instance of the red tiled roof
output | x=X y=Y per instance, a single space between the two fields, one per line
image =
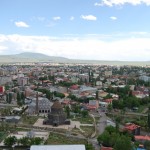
x=74 y=87
x=131 y=127
x=91 y=107
x=108 y=100
x=141 y=137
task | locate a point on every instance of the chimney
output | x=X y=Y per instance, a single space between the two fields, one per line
x=37 y=103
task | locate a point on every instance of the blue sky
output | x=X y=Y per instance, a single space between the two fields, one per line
x=78 y=29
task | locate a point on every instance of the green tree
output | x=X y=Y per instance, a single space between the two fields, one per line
x=9 y=141
x=123 y=143
x=148 y=120
x=109 y=107
x=24 y=141
x=104 y=139
x=22 y=97
x=84 y=113
x=57 y=94
x=67 y=109
x=110 y=129
x=89 y=147
x=97 y=95
x=147 y=145
x=36 y=141
x=19 y=102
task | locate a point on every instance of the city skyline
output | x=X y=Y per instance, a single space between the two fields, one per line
x=77 y=29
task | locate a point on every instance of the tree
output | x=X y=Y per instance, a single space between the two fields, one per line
x=123 y=143
x=24 y=141
x=22 y=97
x=84 y=113
x=89 y=147
x=19 y=102
x=67 y=109
x=36 y=141
x=110 y=129
x=97 y=95
x=147 y=145
x=148 y=120
x=57 y=94
x=109 y=107
x=9 y=98
x=104 y=139
x=76 y=109
x=9 y=141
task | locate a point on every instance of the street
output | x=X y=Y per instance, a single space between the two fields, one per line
x=102 y=123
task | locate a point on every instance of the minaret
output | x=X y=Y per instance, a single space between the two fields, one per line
x=37 y=104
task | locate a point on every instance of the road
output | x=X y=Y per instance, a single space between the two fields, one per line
x=100 y=128
x=102 y=123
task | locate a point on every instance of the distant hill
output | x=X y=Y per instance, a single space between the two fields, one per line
x=30 y=57
x=38 y=57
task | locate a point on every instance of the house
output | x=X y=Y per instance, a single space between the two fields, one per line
x=90 y=107
x=139 y=94
x=109 y=101
x=132 y=128
x=87 y=89
x=57 y=147
x=102 y=93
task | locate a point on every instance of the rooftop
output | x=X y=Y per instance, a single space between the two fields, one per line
x=58 y=147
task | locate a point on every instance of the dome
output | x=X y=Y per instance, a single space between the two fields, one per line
x=57 y=105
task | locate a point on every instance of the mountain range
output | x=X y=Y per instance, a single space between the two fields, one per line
x=38 y=57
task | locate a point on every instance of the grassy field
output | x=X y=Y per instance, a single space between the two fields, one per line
x=61 y=139
x=2 y=136
x=88 y=130
x=86 y=120
x=29 y=120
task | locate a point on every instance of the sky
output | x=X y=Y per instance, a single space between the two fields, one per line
x=77 y=29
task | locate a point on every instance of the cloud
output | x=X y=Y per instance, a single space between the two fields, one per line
x=89 y=17
x=111 y=3
x=3 y=47
x=86 y=47
x=56 y=18
x=21 y=24
x=71 y=18
x=113 y=18
x=41 y=18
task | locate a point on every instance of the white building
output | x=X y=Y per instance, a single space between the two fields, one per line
x=144 y=78
x=5 y=79
x=108 y=73
x=23 y=81
x=57 y=147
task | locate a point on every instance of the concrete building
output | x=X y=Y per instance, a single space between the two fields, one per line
x=5 y=79
x=108 y=73
x=44 y=105
x=84 y=77
x=145 y=78
x=87 y=89
x=22 y=81
x=58 y=147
